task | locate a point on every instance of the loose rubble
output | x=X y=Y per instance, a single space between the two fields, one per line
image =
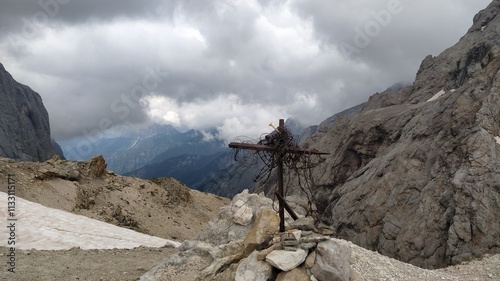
x=260 y=252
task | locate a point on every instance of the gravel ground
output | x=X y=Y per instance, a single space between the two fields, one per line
x=124 y=265
x=371 y=265
x=77 y=264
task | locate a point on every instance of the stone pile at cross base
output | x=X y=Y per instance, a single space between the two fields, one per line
x=244 y=243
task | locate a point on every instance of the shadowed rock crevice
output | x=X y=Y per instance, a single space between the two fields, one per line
x=477 y=58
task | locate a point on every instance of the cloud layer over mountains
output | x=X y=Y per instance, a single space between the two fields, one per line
x=235 y=65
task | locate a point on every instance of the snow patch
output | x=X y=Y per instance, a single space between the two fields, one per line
x=497 y=139
x=134 y=144
x=437 y=96
x=42 y=228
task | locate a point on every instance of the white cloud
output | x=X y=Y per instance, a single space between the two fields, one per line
x=227 y=113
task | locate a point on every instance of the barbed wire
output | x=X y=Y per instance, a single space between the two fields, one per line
x=298 y=166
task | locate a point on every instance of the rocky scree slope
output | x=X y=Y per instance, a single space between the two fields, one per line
x=415 y=175
x=162 y=207
x=24 y=122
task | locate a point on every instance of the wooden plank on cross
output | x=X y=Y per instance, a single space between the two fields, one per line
x=279 y=160
x=287 y=207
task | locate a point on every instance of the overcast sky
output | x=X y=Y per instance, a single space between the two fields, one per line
x=231 y=64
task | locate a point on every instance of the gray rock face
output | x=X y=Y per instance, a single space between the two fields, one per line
x=415 y=174
x=24 y=122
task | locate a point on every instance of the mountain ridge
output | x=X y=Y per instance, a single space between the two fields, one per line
x=24 y=122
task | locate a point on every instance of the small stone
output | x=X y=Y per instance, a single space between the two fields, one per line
x=315 y=237
x=306 y=233
x=355 y=276
x=325 y=229
x=306 y=223
x=289 y=242
x=243 y=216
x=307 y=246
x=296 y=274
x=310 y=260
x=286 y=260
x=297 y=233
x=275 y=240
x=262 y=254
x=239 y=203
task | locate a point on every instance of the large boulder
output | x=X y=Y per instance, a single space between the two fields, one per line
x=286 y=260
x=98 y=166
x=58 y=168
x=251 y=269
x=237 y=219
x=266 y=224
x=332 y=262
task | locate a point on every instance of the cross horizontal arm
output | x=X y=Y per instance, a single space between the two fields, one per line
x=257 y=147
x=261 y=147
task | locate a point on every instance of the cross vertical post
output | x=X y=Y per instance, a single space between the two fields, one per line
x=280 y=181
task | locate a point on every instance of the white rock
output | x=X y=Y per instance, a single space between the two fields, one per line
x=243 y=216
x=437 y=96
x=251 y=269
x=239 y=203
x=286 y=260
x=297 y=234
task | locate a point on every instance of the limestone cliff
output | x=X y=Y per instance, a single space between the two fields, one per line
x=24 y=122
x=415 y=174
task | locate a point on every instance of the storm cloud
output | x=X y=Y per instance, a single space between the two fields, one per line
x=227 y=64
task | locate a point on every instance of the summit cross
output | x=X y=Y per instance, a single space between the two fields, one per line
x=271 y=148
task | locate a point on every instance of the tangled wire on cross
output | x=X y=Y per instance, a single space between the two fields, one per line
x=280 y=146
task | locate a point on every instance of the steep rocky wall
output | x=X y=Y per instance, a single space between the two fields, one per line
x=24 y=122
x=415 y=175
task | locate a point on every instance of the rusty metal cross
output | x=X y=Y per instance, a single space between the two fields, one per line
x=271 y=147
